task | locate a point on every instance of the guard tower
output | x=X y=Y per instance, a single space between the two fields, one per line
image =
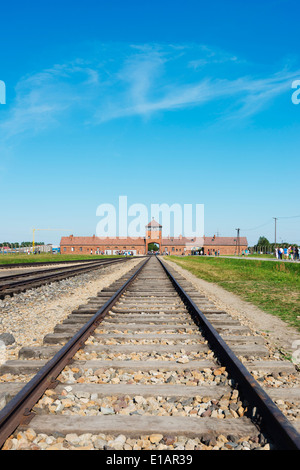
x=154 y=234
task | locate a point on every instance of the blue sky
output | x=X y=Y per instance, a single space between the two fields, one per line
x=164 y=102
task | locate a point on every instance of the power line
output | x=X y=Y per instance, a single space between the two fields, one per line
x=290 y=217
x=263 y=225
x=255 y=228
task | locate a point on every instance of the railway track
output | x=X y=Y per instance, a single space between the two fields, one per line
x=15 y=283
x=144 y=365
x=44 y=263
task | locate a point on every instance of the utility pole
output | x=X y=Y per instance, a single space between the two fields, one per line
x=275 y=218
x=238 y=240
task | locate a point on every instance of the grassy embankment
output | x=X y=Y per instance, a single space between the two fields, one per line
x=254 y=255
x=46 y=257
x=272 y=286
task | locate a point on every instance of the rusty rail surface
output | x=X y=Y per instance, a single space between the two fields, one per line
x=46 y=263
x=18 y=410
x=15 y=283
x=262 y=410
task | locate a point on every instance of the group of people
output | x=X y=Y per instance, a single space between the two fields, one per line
x=292 y=253
x=212 y=252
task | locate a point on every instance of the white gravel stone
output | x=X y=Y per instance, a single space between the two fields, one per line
x=32 y=314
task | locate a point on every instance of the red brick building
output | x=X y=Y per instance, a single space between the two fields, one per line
x=139 y=245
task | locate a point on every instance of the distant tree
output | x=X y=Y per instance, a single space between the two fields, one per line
x=30 y=243
x=26 y=244
x=14 y=245
x=153 y=247
x=263 y=241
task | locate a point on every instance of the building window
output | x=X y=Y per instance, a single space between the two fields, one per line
x=65 y=249
x=72 y=249
x=80 y=249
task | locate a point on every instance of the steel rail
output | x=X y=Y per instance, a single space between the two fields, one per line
x=18 y=410
x=54 y=269
x=47 y=263
x=264 y=413
x=7 y=289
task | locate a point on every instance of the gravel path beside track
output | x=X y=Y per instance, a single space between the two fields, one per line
x=278 y=334
x=32 y=314
x=146 y=378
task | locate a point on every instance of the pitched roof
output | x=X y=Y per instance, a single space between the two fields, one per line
x=179 y=241
x=140 y=241
x=224 y=241
x=100 y=241
x=153 y=223
x=205 y=241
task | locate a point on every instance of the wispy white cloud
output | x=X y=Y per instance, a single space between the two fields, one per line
x=207 y=56
x=43 y=98
x=139 y=80
x=247 y=96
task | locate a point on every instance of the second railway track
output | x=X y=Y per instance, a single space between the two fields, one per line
x=15 y=283
x=153 y=372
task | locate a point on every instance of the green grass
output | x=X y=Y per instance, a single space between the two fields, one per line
x=45 y=257
x=273 y=287
x=254 y=255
